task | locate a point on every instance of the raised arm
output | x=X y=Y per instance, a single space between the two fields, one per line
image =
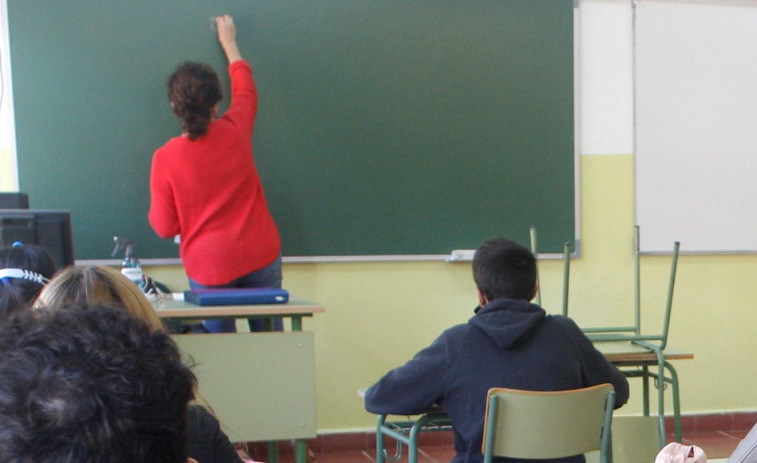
x=227 y=37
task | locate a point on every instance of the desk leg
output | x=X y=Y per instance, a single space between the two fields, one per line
x=300 y=451
x=296 y=323
x=676 y=400
x=273 y=452
x=645 y=389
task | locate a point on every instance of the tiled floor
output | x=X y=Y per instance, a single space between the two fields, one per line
x=715 y=445
x=438 y=449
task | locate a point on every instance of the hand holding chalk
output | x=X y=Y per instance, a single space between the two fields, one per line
x=227 y=37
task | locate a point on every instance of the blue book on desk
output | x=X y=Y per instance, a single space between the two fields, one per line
x=236 y=296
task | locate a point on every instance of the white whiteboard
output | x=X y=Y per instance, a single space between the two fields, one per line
x=696 y=125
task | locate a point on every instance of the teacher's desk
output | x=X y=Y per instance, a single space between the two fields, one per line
x=260 y=385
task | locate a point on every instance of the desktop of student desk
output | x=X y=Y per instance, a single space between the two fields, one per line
x=260 y=385
x=625 y=353
x=637 y=360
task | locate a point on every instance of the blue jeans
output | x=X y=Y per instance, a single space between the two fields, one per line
x=267 y=277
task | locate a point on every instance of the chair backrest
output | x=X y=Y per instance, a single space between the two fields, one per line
x=567 y=249
x=552 y=424
x=633 y=333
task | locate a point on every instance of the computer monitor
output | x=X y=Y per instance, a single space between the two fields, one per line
x=14 y=201
x=48 y=228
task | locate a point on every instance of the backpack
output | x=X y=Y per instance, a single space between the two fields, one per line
x=681 y=453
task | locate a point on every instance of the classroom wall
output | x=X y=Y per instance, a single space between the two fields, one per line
x=8 y=174
x=379 y=314
x=6 y=179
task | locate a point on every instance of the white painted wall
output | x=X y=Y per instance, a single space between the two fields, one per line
x=605 y=76
x=8 y=166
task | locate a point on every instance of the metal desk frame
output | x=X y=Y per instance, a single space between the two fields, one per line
x=406 y=432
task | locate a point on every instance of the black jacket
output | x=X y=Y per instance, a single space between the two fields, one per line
x=207 y=443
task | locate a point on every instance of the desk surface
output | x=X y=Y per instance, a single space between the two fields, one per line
x=181 y=309
x=619 y=352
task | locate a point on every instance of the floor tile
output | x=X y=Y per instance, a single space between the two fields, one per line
x=440 y=454
x=345 y=457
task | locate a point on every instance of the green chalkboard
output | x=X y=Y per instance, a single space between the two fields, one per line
x=386 y=127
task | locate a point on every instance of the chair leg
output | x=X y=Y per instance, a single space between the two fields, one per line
x=661 y=401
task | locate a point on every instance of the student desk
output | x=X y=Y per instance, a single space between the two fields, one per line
x=260 y=385
x=634 y=359
x=631 y=358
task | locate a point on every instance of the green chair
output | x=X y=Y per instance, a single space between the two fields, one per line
x=660 y=370
x=553 y=424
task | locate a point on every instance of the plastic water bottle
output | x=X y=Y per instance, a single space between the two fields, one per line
x=130 y=266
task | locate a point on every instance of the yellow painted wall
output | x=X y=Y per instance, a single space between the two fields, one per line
x=379 y=314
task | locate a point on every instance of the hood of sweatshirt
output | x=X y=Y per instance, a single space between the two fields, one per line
x=507 y=322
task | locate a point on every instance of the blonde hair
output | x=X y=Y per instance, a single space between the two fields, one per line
x=98 y=285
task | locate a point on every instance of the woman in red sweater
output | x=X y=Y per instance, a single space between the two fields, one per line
x=205 y=187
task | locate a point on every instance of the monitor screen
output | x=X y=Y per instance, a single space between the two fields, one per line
x=50 y=229
x=14 y=201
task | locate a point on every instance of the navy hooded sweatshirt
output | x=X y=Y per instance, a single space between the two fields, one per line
x=508 y=343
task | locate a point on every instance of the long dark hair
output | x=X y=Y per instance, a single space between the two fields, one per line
x=193 y=90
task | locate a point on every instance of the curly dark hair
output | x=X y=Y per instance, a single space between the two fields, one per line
x=90 y=384
x=16 y=293
x=504 y=268
x=193 y=90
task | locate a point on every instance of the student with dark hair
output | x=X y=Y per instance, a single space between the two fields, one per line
x=509 y=342
x=205 y=187
x=24 y=270
x=91 y=384
x=99 y=285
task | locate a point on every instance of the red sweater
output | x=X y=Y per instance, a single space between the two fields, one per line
x=208 y=191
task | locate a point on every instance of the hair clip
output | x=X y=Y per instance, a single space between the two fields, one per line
x=22 y=274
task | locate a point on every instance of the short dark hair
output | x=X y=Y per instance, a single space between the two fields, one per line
x=18 y=293
x=193 y=90
x=504 y=268
x=91 y=384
